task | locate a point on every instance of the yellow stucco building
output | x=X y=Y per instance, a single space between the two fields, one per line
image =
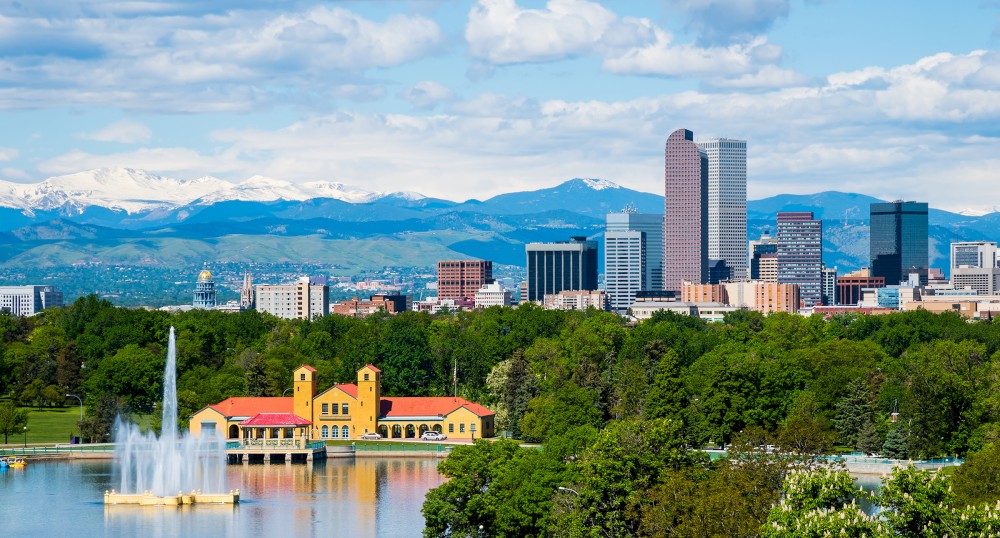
x=348 y=411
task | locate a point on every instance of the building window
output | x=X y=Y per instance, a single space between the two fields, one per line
x=461 y=428
x=366 y=377
x=472 y=427
x=344 y=432
x=302 y=376
x=325 y=432
x=333 y=411
x=343 y=410
x=326 y=409
x=451 y=428
x=334 y=432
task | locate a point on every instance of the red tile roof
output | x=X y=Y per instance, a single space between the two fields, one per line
x=374 y=369
x=275 y=419
x=307 y=367
x=239 y=406
x=428 y=406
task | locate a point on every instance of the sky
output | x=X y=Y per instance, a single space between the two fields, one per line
x=461 y=99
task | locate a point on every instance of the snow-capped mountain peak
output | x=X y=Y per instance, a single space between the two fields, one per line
x=600 y=184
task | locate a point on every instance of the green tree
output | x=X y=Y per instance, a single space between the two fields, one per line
x=917 y=503
x=568 y=407
x=804 y=430
x=855 y=410
x=668 y=395
x=977 y=481
x=820 y=503
x=512 y=385
x=896 y=444
x=12 y=420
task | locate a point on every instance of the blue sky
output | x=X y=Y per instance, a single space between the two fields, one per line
x=467 y=99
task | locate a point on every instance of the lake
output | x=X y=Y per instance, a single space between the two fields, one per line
x=335 y=497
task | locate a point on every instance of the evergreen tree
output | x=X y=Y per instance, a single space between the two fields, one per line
x=854 y=411
x=896 y=444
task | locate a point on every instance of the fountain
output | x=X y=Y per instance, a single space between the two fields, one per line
x=155 y=470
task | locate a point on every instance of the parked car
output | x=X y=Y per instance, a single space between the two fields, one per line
x=433 y=436
x=372 y=435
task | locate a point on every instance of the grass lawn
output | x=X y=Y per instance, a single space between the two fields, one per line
x=57 y=425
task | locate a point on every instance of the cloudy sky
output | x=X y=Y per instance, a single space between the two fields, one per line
x=466 y=99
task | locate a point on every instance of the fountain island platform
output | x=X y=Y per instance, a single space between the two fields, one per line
x=148 y=499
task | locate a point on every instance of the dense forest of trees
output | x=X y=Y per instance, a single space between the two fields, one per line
x=616 y=408
x=807 y=380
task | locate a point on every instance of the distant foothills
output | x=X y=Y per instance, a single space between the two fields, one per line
x=131 y=217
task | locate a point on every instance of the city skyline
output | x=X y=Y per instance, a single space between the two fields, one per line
x=467 y=99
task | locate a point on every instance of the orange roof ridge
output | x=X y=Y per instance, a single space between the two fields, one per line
x=372 y=366
x=307 y=367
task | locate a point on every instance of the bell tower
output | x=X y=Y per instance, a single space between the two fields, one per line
x=304 y=385
x=369 y=399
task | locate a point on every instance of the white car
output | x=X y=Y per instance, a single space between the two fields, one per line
x=372 y=435
x=433 y=436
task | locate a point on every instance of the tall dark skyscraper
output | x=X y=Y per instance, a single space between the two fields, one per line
x=800 y=255
x=899 y=241
x=555 y=267
x=685 y=211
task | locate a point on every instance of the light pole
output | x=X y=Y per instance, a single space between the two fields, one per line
x=285 y=391
x=81 y=404
x=25 y=437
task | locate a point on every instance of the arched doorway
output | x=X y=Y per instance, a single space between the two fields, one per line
x=411 y=432
x=423 y=428
x=437 y=428
x=234 y=432
x=397 y=432
x=383 y=431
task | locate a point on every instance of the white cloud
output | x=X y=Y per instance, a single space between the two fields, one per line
x=8 y=154
x=501 y=32
x=661 y=57
x=728 y=21
x=427 y=94
x=124 y=132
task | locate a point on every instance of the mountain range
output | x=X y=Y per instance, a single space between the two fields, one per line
x=130 y=217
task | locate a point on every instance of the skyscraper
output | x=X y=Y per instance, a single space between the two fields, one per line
x=974 y=265
x=652 y=228
x=759 y=247
x=624 y=264
x=800 y=255
x=554 y=267
x=28 y=300
x=461 y=279
x=685 y=212
x=727 y=202
x=899 y=241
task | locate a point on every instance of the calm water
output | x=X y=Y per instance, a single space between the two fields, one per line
x=338 y=497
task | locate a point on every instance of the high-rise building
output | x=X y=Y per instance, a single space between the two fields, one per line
x=624 y=264
x=768 y=266
x=28 y=300
x=899 y=241
x=727 y=202
x=718 y=271
x=461 y=279
x=974 y=265
x=685 y=211
x=304 y=299
x=566 y=265
x=766 y=244
x=800 y=255
x=204 y=290
x=652 y=227
x=493 y=294
x=829 y=286
x=850 y=286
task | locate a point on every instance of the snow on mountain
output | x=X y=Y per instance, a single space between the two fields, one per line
x=135 y=191
x=970 y=212
x=601 y=184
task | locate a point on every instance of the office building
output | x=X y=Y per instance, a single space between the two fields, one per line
x=204 y=290
x=493 y=294
x=829 y=286
x=28 y=300
x=800 y=255
x=766 y=244
x=358 y=308
x=899 y=241
x=652 y=228
x=554 y=267
x=850 y=286
x=461 y=279
x=718 y=271
x=767 y=265
x=576 y=300
x=685 y=211
x=624 y=264
x=727 y=202
x=305 y=299
x=974 y=265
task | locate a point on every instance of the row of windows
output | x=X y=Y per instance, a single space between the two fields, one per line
x=327 y=408
x=327 y=432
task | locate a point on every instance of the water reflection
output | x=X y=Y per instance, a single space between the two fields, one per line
x=363 y=497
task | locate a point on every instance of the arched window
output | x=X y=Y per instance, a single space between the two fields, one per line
x=345 y=433
x=335 y=432
x=326 y=432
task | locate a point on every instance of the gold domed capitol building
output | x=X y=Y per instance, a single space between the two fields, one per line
x=204 y=290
